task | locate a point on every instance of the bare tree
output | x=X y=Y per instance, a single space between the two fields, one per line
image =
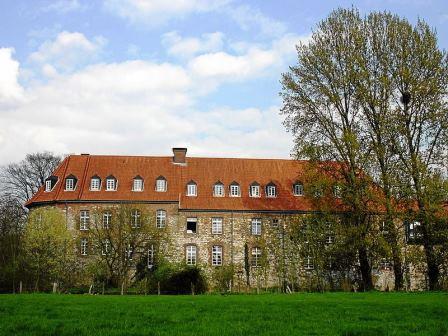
x=22 y=180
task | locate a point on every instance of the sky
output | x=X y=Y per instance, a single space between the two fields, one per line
x=138 y=77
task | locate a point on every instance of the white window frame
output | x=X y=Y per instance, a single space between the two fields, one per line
x=217 y=255
x=69 y=184
x=217 y=225
x=255 y=191
x=161 y=185
x=111 y=182
x=234 y=190
x=84 y=220
x=161 y=218
x=271 y=191
x=256 y=226
x=298 y=189
x=192 y=219
x=48 y=186
x=95 y=184
x=218 y=190
x=137 y=184
x=191 y=255
x=337 y=191
x=329 y=239
x=136 y=218
x=192 y=189
x=105 y=247
x=151 y=254
x=129 y=252
x=256 y=254
x=107 y=219
x=309 y=263
x=84 y=246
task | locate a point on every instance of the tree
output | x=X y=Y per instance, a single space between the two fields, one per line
x=122 y=236
x=49 y=250
x=373 y=93
x=12 y=225
x=22 y=180
x=321 y=110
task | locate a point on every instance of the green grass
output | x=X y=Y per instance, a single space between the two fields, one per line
x=266 y=314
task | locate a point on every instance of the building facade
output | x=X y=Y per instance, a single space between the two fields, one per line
x=216 y=211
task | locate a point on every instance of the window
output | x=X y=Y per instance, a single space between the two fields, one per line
x=190 y=255
x=70 y=184
x=337 y=191
x=274 y=222
x=95 y=183
x=255 y=190
x=105 y=247
x=234 y=189
x=192 y=189
x=151 y=256
x=161 y=184
x=84 y=219
x=256 y=226
x=192 y=225
x=48 y=185
x=111 y=183
x=138 y=184
x=298 y=189
x=256 y=257
x=107 y=219
x=329 y=239
x=218 y=189
x=217 y=255
x=216 y=225
x=129 y=252
x=84 y=246
x=160 y=219
x=271 y=190
x=136 y=218
x=413 y=230
x=309 y=265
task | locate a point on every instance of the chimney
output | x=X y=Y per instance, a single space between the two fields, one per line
x=179 y=155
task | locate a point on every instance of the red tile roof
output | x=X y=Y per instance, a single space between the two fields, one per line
x=204 y=171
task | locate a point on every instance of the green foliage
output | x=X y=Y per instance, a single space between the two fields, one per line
x=223 y=277
x=267 y=314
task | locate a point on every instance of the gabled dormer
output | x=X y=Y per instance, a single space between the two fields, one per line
x=50 y=182
x=70 y=182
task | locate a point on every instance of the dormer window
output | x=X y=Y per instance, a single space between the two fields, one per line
x=234 y=190
x=271 y=190
x=137 y=184
x=298 y=189
x=192 y=189
x=161 y=185
x=50 y=183
x=254 y=190
x=95 y=183
x=111 y=183
x=70 y=183
x=218 y=189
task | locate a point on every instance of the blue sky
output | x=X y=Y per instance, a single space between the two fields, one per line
x=141 y=76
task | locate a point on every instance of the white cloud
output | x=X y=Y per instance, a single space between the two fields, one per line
x=134 y=107
x=153 y=12
x=10 y=89
x=63 y=6
x=185 y=47
x=68 y=51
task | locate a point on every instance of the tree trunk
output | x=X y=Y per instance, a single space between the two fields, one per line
x=433 y=267
x=366 y=270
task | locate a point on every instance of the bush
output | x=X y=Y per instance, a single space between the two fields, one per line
x=223 y=277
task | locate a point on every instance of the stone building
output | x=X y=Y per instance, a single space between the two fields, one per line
x=219 y=211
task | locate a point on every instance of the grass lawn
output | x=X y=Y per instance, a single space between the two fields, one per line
x=265 y=314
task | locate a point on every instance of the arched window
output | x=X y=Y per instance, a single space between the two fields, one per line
x=256 y=257
x=271 y=190
x=160 y=219
x=137 y=184
x=254 y=189
x=234 y=189
x=95 y=183
x=111 y=183
x=192 y=188
x=218 y=189
x=297 y=189
x=217 y=255
x=70 y=182
x=161 y=184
